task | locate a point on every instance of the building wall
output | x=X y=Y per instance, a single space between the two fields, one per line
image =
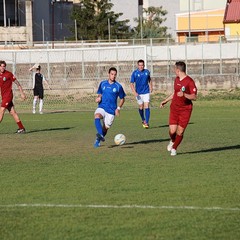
x=232 y=30
x=13 y=34
x=202 y=23
x=42 y=19
x=200 y=5
x=172 y=7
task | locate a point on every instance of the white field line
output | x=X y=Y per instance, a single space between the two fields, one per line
x=117 y=207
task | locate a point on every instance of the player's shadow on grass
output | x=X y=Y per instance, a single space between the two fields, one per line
x=214 y=149
x=131 y=144
x=164 y=126
x=160 y=126
x=49 y=130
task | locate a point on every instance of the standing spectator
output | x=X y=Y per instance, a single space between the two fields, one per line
x=141 y=86
x=181 y=106
x=108 y=93
x=6 y=80
x=38 y=90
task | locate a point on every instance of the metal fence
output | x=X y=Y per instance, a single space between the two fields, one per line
x=74 y=72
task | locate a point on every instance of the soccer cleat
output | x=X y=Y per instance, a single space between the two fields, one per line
x=170 y=145
x=97 y=143
x=100 y=137
x=145 y=124
x=173 y=152
x=21 y=130
x=33 y=111
x=40 y=112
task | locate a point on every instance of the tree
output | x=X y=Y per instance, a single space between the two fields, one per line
x=151 y=25
x=93 y=19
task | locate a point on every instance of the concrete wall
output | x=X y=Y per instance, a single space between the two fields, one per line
x=13 y=34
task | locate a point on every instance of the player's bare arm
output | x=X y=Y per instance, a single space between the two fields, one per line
x=192 y=96
x=46 y=82
x=133 y=89
x=23 y=96
x=169 y=98
x=150 y=85
x=99 y=98
x=121 y=102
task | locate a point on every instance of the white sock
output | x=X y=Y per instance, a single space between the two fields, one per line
x=34 y=103
x=40 y=105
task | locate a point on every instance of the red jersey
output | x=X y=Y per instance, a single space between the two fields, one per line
x=6 y=80
x=186 y=85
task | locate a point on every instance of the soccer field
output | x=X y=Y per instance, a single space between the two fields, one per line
x=55 y=185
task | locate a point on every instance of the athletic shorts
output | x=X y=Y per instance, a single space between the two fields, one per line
x=7 y=103
x=180 y=117
x=107 y=117
x=143 y=98
x=38 y=92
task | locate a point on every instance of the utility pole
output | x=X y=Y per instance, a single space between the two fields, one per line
x=52 y=2
x=189 y=19
x=4 y=13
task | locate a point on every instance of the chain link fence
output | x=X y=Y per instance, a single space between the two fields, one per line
x=74 y=73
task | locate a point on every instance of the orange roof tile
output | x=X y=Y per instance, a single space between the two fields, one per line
x=232 y=12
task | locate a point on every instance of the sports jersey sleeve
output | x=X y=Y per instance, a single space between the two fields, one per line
x=122 y=94
x=99 y=91
x=132 y=80
x=192 y=87
x=13 y=77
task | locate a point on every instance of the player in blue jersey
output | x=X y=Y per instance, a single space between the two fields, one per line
x=108 y=93
x=141 y=86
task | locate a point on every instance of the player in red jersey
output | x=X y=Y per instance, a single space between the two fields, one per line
x=181 y=106
x=6 y=80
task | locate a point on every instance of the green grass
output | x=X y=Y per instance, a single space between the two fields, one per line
x=55 y=164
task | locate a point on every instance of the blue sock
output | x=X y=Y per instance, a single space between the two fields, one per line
x=98 y=125
x=147 y=113
x=141 y=114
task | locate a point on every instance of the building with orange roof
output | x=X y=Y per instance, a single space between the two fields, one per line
x=231 y=19
x=200 y=26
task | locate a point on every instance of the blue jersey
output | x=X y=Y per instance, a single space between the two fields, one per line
x=141 y=80
x=110 y=94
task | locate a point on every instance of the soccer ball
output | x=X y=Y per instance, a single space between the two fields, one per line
x=119 y=139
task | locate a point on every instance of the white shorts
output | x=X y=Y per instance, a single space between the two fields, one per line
x=107 y=117
x=143 y=98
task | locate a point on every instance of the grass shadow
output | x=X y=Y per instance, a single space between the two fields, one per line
x=49 y=129
x=130 y=144
x=214 y=149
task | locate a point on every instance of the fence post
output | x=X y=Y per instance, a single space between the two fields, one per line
x=237 y=70
x=186 y=58
x=202 y=61
x=151 y=46
x=220 y=52
x=83 y=69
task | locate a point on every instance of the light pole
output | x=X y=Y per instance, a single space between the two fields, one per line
x=52 y=3
x=4 y=13
x=109 y=30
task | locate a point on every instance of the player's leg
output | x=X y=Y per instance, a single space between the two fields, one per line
x=173 y=123
x=107 y=122
x=184 y=118
x=98 y=116
x=41 y=101
x=2 y=111
x=141 y=108
x=16 y=118
x=146 y=100
x=178 y=140
x=35 y=99
x=172 y=134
